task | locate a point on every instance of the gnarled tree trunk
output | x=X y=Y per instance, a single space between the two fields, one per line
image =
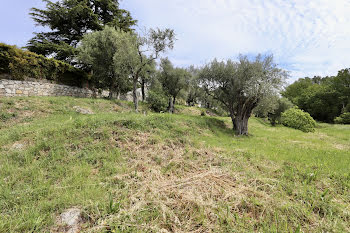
x=241 y=116
x=240 y=124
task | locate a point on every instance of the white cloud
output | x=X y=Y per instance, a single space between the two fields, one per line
x=307 y=37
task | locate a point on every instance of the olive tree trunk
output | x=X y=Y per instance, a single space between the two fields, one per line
x=171 y=105
x=143 y=90
x=241 y=116
x=240 y=124
x=111 y=91
x=134 y=93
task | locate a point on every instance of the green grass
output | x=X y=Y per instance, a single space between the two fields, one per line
x=185 y=172
x=328 y=148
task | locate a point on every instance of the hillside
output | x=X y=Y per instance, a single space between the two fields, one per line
x=153 y=172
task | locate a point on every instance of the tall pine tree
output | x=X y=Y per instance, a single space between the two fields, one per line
x=69 y=20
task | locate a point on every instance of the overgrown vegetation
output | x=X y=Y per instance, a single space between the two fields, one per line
x=21 y=64
x=167 y=172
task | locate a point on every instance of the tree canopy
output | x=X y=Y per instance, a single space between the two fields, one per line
x=118 y=58
x=140 y=54
x=324 y=98
x=70 y=20
x=108 y=54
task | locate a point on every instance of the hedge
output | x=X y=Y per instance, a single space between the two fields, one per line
x=22 y=64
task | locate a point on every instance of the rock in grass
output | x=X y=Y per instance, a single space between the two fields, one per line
x=81 y=110
x=17 y=146
x=71 y=219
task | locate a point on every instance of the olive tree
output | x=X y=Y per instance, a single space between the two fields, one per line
x=241 y=85
x=173 y=80
x=140 y=52
x=98 y=50
x=194 y=92
x=146 y=75
x=266 y=105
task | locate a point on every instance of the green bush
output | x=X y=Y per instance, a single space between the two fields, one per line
x=21 y=64
x=298 y=119
x=157 y=101
x=343 y=118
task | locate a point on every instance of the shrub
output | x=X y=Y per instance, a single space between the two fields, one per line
x=157 y=101
x=21 y=64
x=298 y=119
x=343 y=118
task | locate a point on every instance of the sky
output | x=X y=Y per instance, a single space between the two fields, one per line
x=306 y=37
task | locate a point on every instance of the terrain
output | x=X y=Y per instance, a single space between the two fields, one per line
x=157 y=172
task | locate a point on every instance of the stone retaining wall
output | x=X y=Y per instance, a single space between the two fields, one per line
x=43 y=87
x=12 y=88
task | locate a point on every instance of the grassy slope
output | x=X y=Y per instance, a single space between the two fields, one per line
x=152 y=172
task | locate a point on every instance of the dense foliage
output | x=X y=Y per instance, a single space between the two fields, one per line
x=157 y=101
x=324 y=98
x=21 y=64
x=343 y=118
x=100 y=51
x=70 y=20
x=298 y=119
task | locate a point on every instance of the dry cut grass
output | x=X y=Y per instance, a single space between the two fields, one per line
x=187 y=188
